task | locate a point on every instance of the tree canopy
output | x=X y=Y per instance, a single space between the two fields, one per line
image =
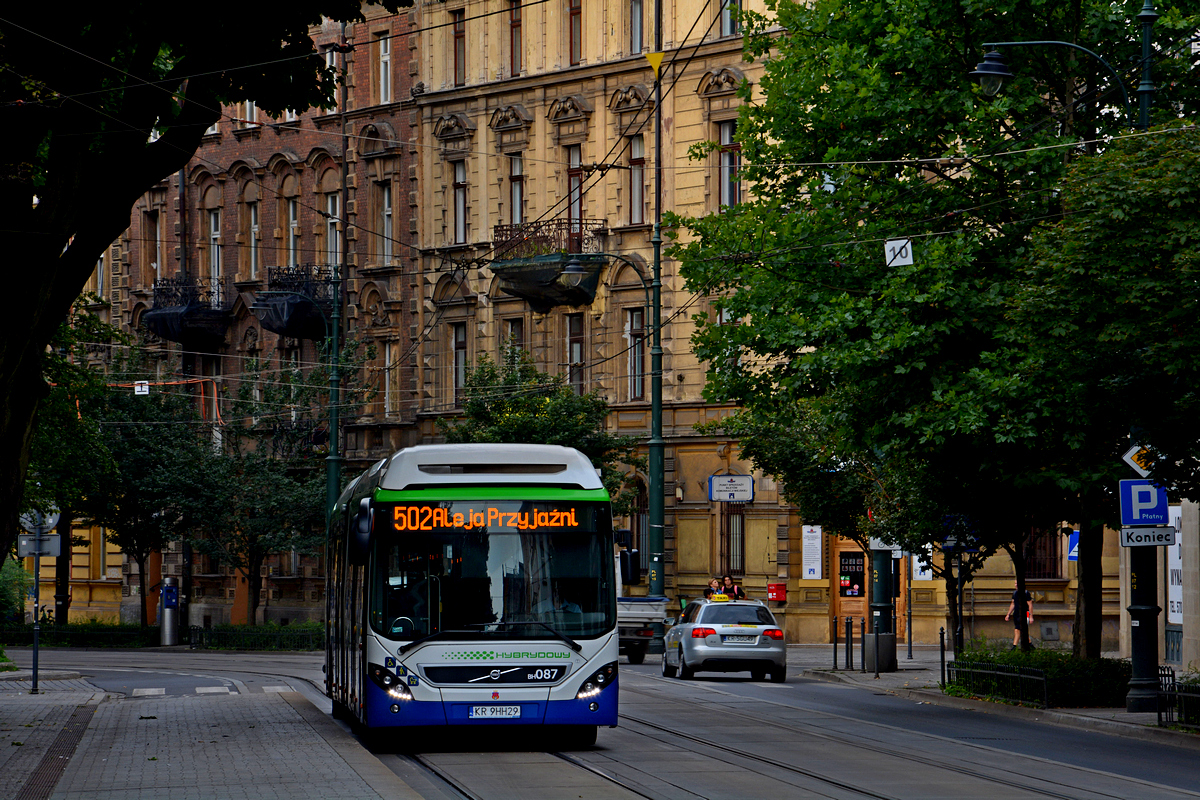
x=874 y=276
x=81 y=101
x=514 y=402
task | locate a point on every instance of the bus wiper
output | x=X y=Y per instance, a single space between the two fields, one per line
x=574 y=645
x=404 y=648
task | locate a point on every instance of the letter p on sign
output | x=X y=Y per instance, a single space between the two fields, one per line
x=1145 y=498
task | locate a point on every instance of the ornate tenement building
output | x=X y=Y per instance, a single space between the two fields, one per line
x=231 y=260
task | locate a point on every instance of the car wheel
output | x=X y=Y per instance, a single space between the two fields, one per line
x=779 y=675
x=637 y=656
x=757 y=675
x=686 y=673
x=668 y=670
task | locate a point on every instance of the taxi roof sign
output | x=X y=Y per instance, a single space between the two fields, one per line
x=719 y=598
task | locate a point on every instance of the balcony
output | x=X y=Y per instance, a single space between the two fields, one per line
x=298 y=301
x=192 y=311
x=530 y=257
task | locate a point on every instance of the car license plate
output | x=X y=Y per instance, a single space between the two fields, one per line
x=494 y=712
x=737 y=638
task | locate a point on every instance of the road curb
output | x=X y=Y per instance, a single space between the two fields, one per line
x=1065 y=719
x=362 y=761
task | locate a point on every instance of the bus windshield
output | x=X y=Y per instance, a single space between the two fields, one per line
x=493 y=567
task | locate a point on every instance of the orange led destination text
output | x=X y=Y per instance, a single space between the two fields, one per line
x=428 y=518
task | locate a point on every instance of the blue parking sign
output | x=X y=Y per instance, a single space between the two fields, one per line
x=1073 y=546
x=1142 y=503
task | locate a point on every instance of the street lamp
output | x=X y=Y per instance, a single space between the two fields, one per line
x=1143 y=607
x=992 y=71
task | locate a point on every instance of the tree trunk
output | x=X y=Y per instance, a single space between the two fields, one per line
x=62 y=566
x=1089 y=618
x=1020 y=606
x=952 y=605
x=254 y=584
x=143 y=616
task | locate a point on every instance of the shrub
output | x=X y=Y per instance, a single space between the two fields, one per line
x=1070 y=682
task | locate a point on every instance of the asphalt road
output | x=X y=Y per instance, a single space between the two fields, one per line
x=719 y=736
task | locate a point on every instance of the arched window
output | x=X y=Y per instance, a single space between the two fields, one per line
x=211 y=225
x=330 y=200
x=289 y=219
x=250 y=235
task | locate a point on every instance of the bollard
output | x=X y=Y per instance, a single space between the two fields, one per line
x=835 y=643
x=849 y=642
x=862 y=636
x=877 y=648
x=942 y=647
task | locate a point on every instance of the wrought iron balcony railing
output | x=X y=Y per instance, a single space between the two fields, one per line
x=194 y=292
x=313 y=281
x=546 y=237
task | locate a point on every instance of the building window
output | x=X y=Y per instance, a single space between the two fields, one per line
x=574 y=190
x=635 y=26
x=575 y=8
x=1043 y=555
x=331 y=64
x=250 y=114
x=636 y=373
x=333 y=244
x=575 y=353
x=513 y=331
x=389 y=364
x=515 y=43
x=290 y=115
x=152 y=244
x=384 y=45
x=731 y=25
x=730 y=162
x=460 y=201
x=214 y=248
x=252 y=238
x=385 y=223
x=733 y=539
x=637 y=180
x=516 y=188
x=459 y=19
x=293 y=232
x=460 y=361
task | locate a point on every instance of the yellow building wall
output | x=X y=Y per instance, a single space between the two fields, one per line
x=95 y=585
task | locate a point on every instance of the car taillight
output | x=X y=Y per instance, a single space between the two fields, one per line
x=773 y=633
x=644 y=632
x=700 y=633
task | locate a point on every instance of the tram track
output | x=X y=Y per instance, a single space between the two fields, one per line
x=1037 y=787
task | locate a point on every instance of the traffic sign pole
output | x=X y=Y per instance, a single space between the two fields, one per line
x=1143 y=612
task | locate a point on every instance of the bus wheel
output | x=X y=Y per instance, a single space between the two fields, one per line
x=340 y=712
x=637 y=656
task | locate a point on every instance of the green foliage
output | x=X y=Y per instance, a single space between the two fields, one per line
x=514 y=402
x=68 y=461
x=162 y=452
x=14 y=583
x=905 y=390
x=1070 y=682
x=1114 y=285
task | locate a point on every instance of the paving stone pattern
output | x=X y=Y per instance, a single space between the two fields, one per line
x=34 y=721
x=206 y=747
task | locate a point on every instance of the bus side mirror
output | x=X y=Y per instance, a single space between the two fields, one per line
x=360 y=535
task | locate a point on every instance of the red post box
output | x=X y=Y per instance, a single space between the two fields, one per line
x=777 y=591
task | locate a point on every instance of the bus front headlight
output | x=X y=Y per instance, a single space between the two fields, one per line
x=597 y=681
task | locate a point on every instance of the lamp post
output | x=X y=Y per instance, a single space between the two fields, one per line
x=992 y=71
x=1143 y=606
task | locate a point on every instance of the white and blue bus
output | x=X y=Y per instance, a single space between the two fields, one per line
x=474 y=585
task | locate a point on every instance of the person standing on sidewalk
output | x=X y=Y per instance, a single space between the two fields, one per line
x=1015 y=614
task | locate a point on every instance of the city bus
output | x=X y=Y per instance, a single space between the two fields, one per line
x=474 y=585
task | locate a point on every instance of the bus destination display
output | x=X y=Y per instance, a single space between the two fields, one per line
x=493 y=517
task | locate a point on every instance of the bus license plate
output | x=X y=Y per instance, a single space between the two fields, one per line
x=739 y=638
x=494 y=712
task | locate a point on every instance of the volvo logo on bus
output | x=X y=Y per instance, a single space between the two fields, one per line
x=495 y=674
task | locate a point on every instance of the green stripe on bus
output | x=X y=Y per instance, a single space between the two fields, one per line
x=492 y=493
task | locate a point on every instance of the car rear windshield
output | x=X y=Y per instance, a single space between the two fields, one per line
x=737 y=615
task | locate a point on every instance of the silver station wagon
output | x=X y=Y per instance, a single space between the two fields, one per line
x=722 y=635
